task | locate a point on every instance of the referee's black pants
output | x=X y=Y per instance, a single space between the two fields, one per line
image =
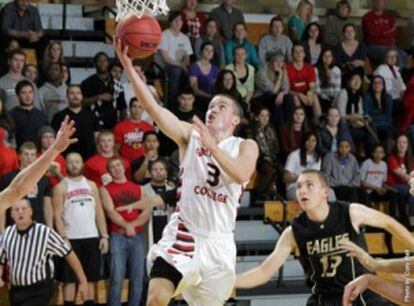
x=38 y=294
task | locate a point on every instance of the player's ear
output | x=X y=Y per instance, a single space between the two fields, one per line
x=236 y=120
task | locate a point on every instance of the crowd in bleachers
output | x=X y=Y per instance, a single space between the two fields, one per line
x=313 y=97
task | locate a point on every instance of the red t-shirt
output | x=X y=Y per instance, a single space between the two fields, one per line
x=129 y=135
x=95 y=170
x=8 y=160
x=299 y=79
x=379 y=29
x=53 y=179
x=124 y=194
x=395 y=162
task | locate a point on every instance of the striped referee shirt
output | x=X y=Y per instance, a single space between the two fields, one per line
x=29 y=253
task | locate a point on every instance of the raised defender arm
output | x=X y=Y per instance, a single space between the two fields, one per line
x=28 y=177
x=362 y=215
x=177 y=130
x=261 y=274
x=397 y=265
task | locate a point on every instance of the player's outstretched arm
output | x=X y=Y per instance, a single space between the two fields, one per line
x=241 y=168
x=28 y=177
x=362 y=215
x=177 y=130
x=392 y=290
x=397 y=265
x=261 y=274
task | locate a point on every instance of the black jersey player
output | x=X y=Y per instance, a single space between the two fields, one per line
x=318 y=233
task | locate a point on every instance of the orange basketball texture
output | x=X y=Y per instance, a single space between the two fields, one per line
x=141 y=35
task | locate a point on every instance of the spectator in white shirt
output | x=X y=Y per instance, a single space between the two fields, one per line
x=52 y=94
x=394 y=83
x=307 y=157
x=174 y=55
x=328 y=79
x=374 y=173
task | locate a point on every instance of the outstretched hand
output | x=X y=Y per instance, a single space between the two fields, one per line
x=354 y=289
x=122 y=53
x=363 y=257
x=63 y=137
x=207 y=140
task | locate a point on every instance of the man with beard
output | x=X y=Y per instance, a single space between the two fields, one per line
x=85 y=123
x=158 y=184
x=78 y=216
x=102 y=96
x=126 y=241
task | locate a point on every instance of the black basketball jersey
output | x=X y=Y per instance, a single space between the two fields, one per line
x=327 y=267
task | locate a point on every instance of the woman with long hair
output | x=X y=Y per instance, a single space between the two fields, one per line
x=328 y=79
x=350 y=102
x=330 y=130
x=378 y=105
x=244 y=73
x=292 y=132
x=312 y=42
x=226 y=83
x=305 y=158
x=394 y=83
x=400 y=163
x=30 y=72
x=211 y=35
x=302 y=17
x=202 y=76
x=268 y=163
x=7 y=124
x=351 y=53
x=53 y=54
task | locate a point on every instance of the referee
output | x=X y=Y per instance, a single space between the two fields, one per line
x=28 y=249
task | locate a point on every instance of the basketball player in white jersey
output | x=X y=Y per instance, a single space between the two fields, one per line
x=24 y=182
x=78 y=217
x=197 y=254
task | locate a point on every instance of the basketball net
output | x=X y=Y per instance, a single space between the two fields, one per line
x=127 y=8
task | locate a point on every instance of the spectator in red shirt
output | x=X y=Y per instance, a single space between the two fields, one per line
x=302 y=81
x=400 y=164
x=130 y=132
x=379 y=30
x=57 y=170
x=126 y=241
x=8 y=157
x=96 y=166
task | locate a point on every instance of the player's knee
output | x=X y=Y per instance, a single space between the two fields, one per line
x=156 y=299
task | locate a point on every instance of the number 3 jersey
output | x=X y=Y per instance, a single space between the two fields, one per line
x=327 y=267
x=208 y=198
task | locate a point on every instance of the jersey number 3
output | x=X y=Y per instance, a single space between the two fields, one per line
x=213 y=175
x=330 y=264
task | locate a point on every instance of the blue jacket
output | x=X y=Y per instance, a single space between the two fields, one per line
x=252 y=57
x=380 y=117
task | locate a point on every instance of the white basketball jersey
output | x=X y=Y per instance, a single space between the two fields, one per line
x=209 y=199
x=79 y=211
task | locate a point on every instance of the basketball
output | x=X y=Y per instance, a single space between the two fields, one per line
x=141 y=35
